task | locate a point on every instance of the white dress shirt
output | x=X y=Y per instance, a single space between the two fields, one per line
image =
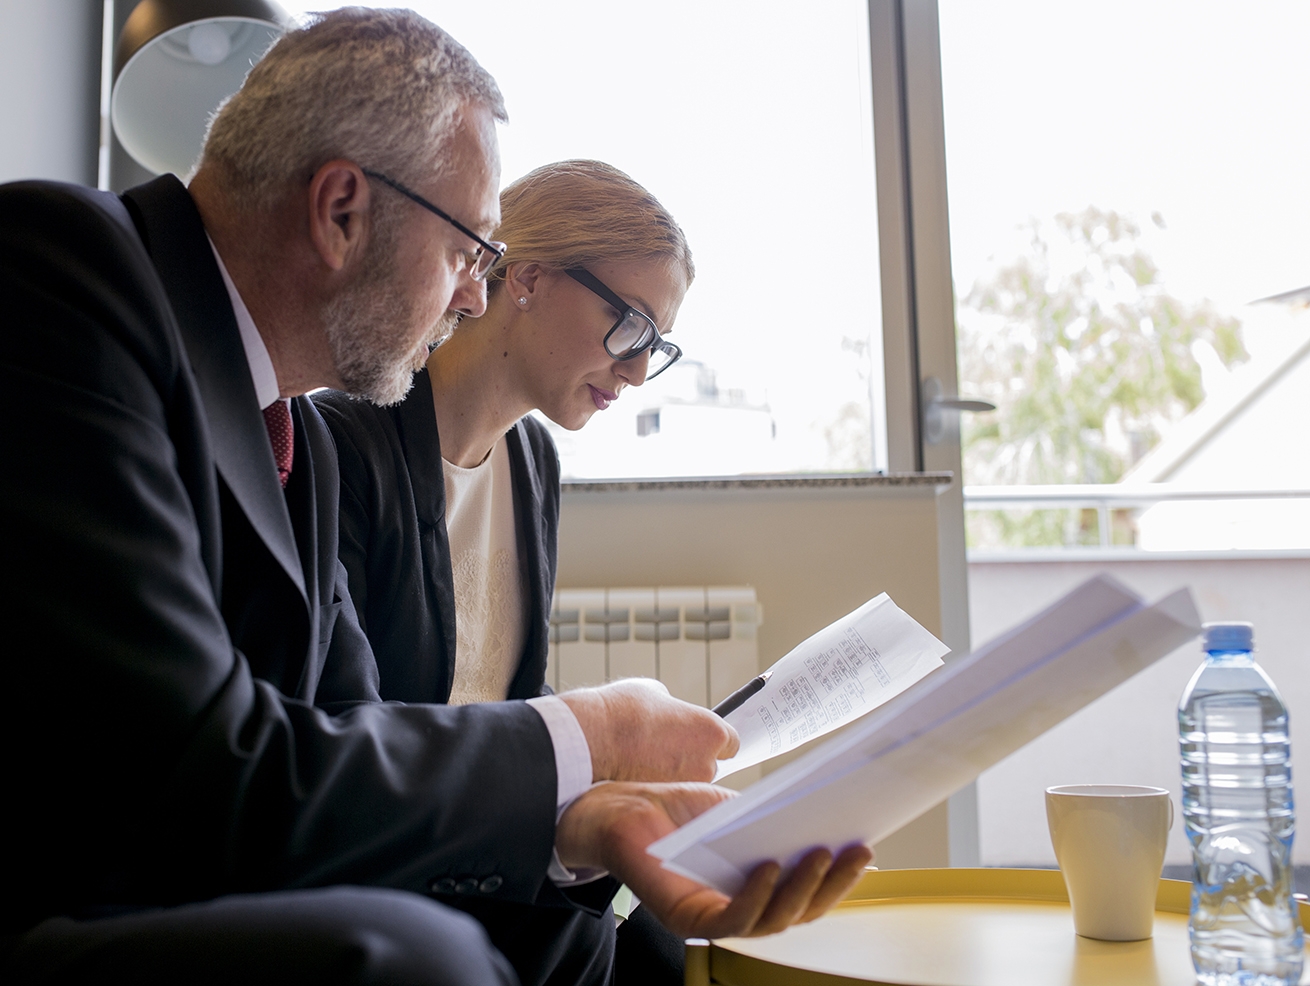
x=572 y=754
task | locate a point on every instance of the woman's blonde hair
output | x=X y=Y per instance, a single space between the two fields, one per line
x=583 y=213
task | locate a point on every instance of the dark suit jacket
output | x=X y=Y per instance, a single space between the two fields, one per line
x=174 y=620
x=397 y=552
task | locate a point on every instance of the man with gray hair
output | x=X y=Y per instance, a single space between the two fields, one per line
x=204 y=784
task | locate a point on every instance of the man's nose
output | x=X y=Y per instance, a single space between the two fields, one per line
x=470 y=297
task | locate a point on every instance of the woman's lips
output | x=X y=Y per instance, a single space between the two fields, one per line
x=602 y=398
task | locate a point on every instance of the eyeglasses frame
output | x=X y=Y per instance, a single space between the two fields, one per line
x=496 y=248
x=598 y=287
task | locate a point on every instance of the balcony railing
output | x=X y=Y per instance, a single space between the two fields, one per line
x=1105 y=499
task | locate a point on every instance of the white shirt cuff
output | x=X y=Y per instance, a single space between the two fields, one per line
x=572 y=772
x=572 y=754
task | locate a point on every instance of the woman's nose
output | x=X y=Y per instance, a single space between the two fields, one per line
x=633 y=371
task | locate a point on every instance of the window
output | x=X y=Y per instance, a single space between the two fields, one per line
x=1096 y=144
x=752 y=123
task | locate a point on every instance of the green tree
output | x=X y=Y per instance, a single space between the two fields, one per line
x=1087 y=357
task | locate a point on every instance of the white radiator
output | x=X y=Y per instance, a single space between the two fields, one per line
x=700 y=640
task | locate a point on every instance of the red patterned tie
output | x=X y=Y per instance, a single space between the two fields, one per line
x=277 y=419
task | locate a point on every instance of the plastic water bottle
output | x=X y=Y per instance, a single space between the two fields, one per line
x=1237 y=806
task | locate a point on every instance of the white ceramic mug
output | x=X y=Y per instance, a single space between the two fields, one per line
x=1110 y=841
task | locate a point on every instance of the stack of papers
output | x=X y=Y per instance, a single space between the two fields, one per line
x=914 y=752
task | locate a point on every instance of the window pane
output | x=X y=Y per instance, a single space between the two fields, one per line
x=752 y=123
x=1124 y=178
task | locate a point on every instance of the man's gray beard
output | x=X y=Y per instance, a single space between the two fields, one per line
x=367 y=330
x=445 y=328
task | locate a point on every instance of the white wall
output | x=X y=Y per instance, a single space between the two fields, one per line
x=50 y=78
x=1130 y=735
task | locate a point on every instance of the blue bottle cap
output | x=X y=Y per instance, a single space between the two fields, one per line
x=1228 y=636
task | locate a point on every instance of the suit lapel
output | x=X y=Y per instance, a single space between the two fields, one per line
x=532 y=563
x=416 y=421
x=175 y=238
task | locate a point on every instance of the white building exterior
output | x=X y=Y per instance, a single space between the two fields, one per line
x=1251 y=433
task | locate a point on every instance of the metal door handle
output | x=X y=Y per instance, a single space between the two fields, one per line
x=962 y=404
x=936 y=407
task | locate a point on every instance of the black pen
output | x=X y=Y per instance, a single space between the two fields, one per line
x=738 y=698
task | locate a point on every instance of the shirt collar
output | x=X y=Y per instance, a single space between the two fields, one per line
x=260 y=363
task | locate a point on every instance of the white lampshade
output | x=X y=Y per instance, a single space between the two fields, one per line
x=176 y=61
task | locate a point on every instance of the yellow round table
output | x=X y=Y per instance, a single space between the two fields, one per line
x=955 y=927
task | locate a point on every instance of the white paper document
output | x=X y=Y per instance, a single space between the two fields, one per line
x=847 y=669
x=916 y=751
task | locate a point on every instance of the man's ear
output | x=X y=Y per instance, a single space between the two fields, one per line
x=339 y=198
x=524 y=280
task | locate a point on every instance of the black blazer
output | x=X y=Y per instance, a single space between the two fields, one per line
x=397 y=552
x=174 y=621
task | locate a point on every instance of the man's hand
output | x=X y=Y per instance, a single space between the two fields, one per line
x=611 y=825
x=638 y=732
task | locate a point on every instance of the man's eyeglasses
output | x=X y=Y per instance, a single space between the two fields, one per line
x=488 y=252
x=634 y=333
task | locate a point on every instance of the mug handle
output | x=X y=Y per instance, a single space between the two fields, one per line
x=1170 y=826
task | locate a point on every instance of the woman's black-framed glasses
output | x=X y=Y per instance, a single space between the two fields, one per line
x=488 y=252
x=634 y=333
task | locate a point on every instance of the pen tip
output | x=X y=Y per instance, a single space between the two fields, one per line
x=766 y=675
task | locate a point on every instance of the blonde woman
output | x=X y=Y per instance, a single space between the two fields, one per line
x=450 y=499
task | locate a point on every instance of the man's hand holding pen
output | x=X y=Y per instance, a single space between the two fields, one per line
x=638 y=732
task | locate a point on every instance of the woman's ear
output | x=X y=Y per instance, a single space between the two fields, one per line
x=523 y=282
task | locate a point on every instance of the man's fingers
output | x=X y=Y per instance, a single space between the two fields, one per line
x=846 y=870
x=765 y=905
x=732 y=745
x=793 y=896
x=742 y=915
x=714 y=740
x=813 y=887
x=683 y=802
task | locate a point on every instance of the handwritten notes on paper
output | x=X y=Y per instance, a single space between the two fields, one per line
x=845 y=670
